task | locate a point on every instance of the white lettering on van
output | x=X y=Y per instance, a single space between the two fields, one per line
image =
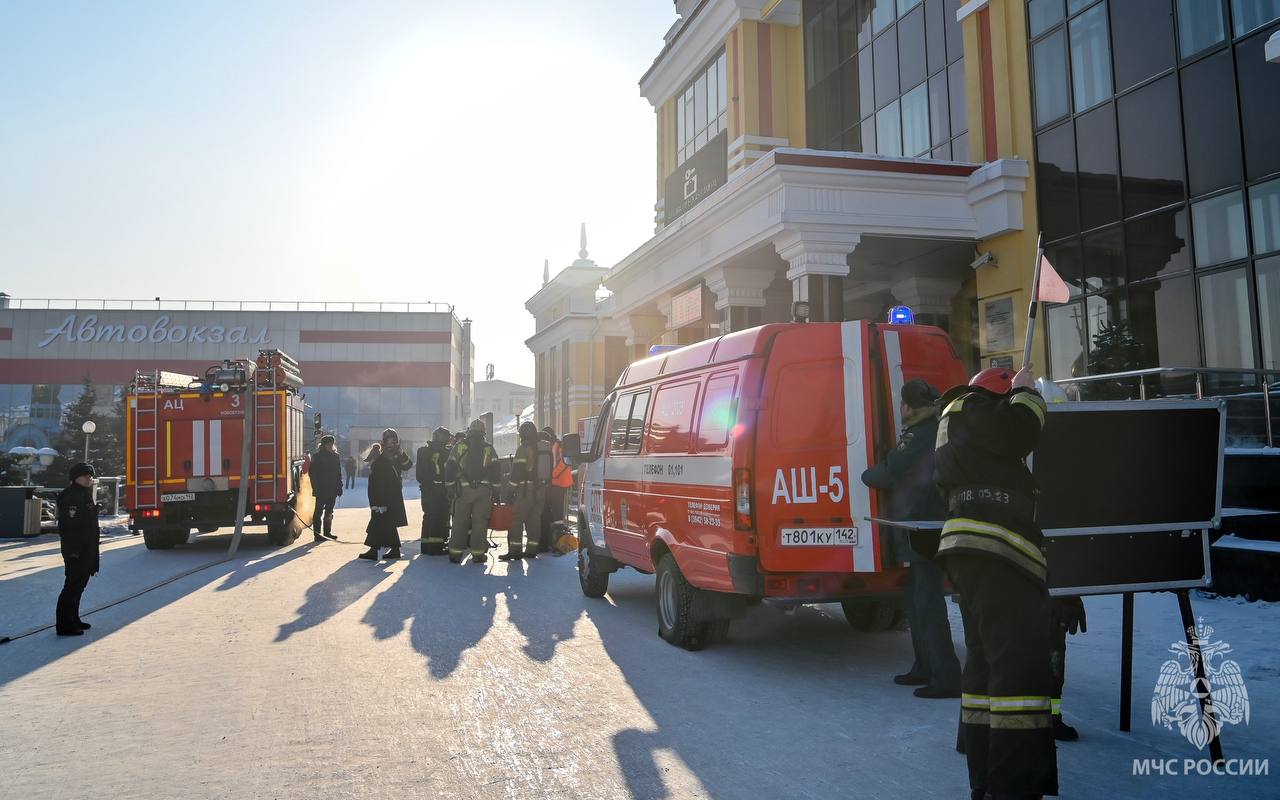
x=804 y=488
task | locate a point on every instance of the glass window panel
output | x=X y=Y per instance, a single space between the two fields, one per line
x=886 y=57
x=1075 y=5
x=1043 y=15
x=888 y=131
x=906 y=5
x=1268 y=270
x=723 y=89
x=939 y=114
x=864 y=22
x=1217 y=228
x=1056 y=179
x=1259 y=110
x=1112 y=346
x=882 y=13
x=1096 y=156
x=960 y=147
x=812 y=51
x=1162 y=314
x=911 y=58
x=1090 y=58
x=1142 y=31
x=869 y=135
x=1065 y=258
x=1264 y=209
x=1050 y=58
x=1103 y=260
x=848 y=93
x=848 y=34
x=1066 y=341
x=680 y=136
x=1150 y=147
x=1249 y=14
x=713 y=89
x=830 y=38
x=1158 y=245
x=1200 y=25
x=851 y=140
x=866 y=86
x=700 y=104
x=1212 y=125
x=915 y=121
x=935 y=29
x=955 y=80
x=955 y=34
x=1225 y=319
x=943 y=151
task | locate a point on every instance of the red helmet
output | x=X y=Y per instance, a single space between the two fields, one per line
x=994 y=379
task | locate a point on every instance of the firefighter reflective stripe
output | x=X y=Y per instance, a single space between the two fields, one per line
x=215 y=447
x=197 y=447
x=975 y=709
x=961 y=532
x=1057 y=706
x=1032 y=401
x=955 y=405
x=1027 y=712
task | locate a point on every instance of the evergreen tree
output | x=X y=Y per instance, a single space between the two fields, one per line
x=1115 y=349
x=70 y=440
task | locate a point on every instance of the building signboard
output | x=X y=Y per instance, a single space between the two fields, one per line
x=686 y=307
x=997 y=318
x=695 y=179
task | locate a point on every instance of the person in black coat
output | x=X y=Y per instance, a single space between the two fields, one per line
x=78 y=530
x=326 y=486
x=386 y=499
x=906 y=474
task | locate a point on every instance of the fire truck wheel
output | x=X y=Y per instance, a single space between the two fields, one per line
x=277 y=533
x=870 y=616
x=592 y=575
x=675 y=607
x=156 y=539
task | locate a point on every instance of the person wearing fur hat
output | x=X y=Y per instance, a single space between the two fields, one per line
x=78 y=530
x=386 y=499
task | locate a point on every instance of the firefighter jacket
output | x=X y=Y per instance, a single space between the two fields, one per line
x=473 y=462
x=561 y=475
x=431 y=460
x=78 y=528
x=325 y=473
x=980 y=465
x=523 y=466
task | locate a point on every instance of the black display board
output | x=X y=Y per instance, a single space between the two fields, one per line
x=1130 y=466
x=1106 y=563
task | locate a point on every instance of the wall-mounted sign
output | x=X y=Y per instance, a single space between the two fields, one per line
x=997 y=318
x=695 y=179
x=686 y=307
x=158 y=331
x=1005 y=362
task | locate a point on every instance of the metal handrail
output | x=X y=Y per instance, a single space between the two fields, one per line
x=1199 y=373
x=219 y=305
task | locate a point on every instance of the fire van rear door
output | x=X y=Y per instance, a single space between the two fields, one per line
x=812 y=447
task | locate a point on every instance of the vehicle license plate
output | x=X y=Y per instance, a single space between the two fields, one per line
x=177 y=498
x=819 y=537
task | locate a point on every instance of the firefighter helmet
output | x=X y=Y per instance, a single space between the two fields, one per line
x=476 y=426
x=528 y=430
x=441 y=435
x=994 y=379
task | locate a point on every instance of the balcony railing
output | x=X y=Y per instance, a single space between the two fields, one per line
x=1247 y=392
x=219 y=305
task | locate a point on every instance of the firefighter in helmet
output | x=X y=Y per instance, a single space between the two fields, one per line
x=991 y=549
x=432 y=458
x=527 y=495
x=474 y=470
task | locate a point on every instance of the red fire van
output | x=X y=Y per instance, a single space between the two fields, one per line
x=730 y=468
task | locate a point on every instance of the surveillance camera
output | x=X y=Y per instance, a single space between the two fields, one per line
x=984 y=258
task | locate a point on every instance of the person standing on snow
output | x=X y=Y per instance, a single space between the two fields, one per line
x=326 y=487
x=474 y=470
x=432 y=458
x=78 y=531
x=386 y=499
x=991 y=549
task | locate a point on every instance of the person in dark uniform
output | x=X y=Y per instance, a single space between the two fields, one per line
x=907 y=473
x=78 y=530
x=386 y=499
x=991 y=549
x=527 y=495
x=473 y=470
x=432 y=458
x=352 y=468
x=326 y=486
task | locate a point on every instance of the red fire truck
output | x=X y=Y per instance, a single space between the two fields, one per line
x=731 y=469
x=184 y=440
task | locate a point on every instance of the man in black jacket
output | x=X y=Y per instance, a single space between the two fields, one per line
x=907 y=473
x=386 y=499
x=326 y=485
x=432 y=458
x=78 y=530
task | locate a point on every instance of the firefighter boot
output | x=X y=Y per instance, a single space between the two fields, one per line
x=1064 y=732
x=512 y=554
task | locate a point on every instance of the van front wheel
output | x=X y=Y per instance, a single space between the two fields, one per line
x=675 y=607
x=592 y=577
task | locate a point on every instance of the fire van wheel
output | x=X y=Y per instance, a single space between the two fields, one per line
x=675 y=608
x=157 y=540
x=870 y=616
x=592 y=577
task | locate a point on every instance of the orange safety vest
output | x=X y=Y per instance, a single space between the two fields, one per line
x=561 y=475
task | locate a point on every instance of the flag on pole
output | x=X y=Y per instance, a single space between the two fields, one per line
x=1052 y=288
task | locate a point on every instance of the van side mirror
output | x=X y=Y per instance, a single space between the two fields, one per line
x=571 y=445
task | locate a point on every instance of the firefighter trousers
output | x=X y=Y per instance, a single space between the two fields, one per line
x=435 y=517
x=527 y=517
x=471 y=510
x=1006 y=730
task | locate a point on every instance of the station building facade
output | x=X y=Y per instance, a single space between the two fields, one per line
x=862 y=154
x=366 y=366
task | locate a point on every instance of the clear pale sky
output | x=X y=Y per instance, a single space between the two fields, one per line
x=372 y=150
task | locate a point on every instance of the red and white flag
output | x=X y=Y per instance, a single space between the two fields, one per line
x=1052 y=288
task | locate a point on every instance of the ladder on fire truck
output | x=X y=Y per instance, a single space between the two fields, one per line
x=266 y=427
x=146 y=415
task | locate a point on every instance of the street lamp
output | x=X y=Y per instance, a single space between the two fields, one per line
x=27 y=457
x=88 y=427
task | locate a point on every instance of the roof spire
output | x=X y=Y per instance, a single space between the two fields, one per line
x=582 y=242
x=546 y=271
